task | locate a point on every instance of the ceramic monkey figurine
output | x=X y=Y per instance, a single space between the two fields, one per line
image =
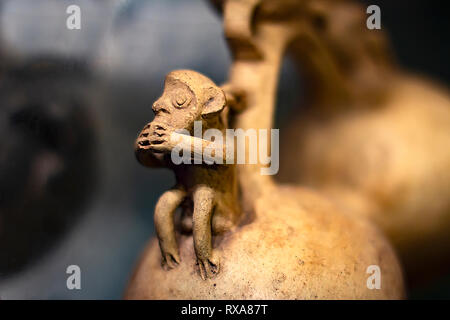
x=206 y=192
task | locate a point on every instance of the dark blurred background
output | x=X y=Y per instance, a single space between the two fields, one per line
x=72 y=103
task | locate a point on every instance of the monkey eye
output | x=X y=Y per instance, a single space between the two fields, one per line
x=180 y=100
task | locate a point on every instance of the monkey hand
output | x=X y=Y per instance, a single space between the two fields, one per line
x=143 y=152
x=159 y=139
x=142 y=142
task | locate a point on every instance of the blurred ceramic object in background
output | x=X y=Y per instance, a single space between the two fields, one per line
x=373 y=138
x=47 y=163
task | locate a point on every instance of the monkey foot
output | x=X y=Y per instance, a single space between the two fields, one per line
x=208 y=267
x=171 y=260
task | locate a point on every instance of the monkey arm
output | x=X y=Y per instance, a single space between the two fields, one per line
x=196 y=147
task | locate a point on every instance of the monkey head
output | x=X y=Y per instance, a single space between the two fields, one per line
x=188 y=96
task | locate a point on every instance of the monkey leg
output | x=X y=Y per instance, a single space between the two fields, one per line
x=165 y=226
x=207 y=259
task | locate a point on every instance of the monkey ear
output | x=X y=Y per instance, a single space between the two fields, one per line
x=214 y=102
